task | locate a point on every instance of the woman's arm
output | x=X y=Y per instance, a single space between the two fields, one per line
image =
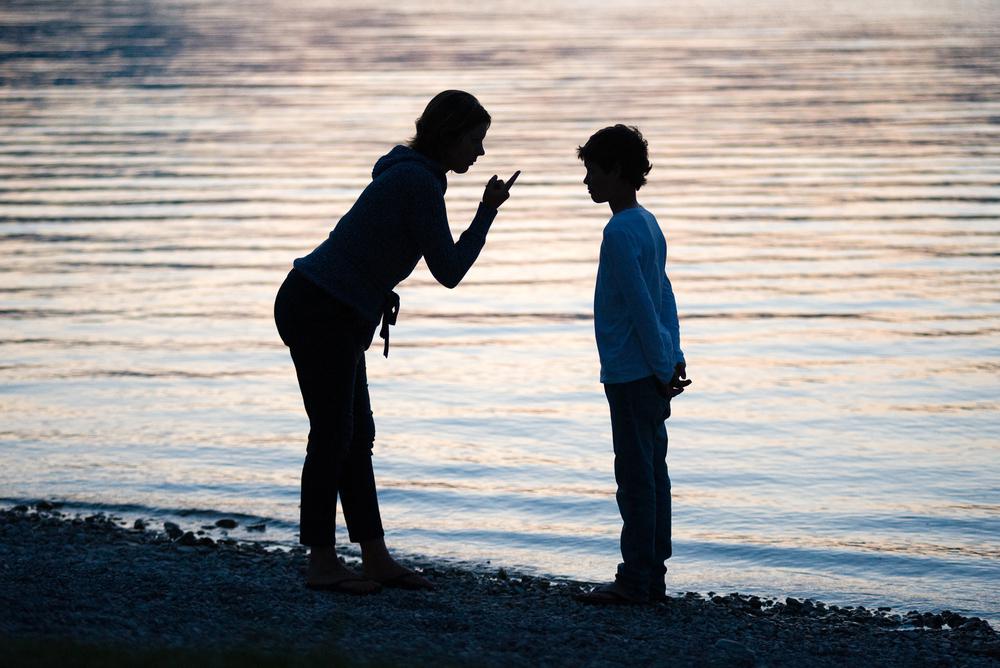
x=449 y=261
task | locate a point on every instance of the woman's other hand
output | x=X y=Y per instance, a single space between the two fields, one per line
x=497 y=191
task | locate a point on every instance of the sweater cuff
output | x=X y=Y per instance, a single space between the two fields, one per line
x=482 y=221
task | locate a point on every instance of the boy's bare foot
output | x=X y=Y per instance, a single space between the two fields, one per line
x=327 y=573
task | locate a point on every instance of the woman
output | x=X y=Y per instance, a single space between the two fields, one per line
x=330 y=304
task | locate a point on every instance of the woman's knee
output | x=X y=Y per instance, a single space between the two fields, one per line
x=360 y=448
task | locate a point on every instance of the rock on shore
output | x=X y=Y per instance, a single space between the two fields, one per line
x=92 y=579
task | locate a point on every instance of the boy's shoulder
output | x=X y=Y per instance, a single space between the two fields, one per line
x=629 y=221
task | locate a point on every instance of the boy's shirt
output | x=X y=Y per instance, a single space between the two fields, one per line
x=635 y=315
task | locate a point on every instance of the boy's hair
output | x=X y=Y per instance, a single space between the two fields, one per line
x=448 y=116
x=619 y=146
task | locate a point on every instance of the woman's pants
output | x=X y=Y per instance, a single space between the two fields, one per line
x=327 y=340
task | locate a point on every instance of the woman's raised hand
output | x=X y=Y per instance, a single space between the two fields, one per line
x=497 y=191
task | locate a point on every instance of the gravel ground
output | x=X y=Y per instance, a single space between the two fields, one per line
x=91 y=579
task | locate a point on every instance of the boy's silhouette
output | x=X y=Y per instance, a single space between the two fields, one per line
x=642 y=366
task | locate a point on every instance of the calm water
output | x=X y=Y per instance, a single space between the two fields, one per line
x=827 y=174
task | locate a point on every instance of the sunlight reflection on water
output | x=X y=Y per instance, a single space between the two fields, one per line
x=828 y=182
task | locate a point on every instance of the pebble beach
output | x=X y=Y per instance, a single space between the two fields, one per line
x=99 y=581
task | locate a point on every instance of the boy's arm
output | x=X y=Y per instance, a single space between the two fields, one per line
x=668 y=312
x=624 y=269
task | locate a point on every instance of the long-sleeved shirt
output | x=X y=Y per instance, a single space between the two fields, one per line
x=399 y=218
x=635 y=314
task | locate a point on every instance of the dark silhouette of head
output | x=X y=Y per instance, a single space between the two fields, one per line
x=619 y=147
x=449 y=118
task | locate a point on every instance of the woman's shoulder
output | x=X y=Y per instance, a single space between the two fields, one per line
x=405 y=166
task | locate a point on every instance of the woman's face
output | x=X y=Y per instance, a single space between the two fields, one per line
x=463 y=154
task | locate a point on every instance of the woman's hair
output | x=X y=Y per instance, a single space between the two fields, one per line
x=446 y=118
x=619 y=146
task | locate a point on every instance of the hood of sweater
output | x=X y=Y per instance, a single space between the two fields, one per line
x=405 y=154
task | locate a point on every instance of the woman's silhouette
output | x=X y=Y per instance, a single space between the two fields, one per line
x=330 y=304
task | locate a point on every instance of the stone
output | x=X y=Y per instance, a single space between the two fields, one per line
x=731 y=654
x=226 y=523
x=139 y=525
x=933 y=621
x=44 y=506
x=977 y=626
x=173 y=531
x=188 y=539
x=20 y=509
x=952 y=619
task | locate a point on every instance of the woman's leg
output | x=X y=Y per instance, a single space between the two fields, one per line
x=322 y=338
x=357 y=480
x=326 y=379
x=360 y=499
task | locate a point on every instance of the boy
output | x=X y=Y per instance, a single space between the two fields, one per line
x=642 y=366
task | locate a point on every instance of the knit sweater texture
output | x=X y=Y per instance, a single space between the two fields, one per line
x=399 y=218
x=635 y=313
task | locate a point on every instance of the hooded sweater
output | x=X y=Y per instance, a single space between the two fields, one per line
x=399 y=218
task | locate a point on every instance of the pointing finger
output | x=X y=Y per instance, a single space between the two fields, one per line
x=513 y=178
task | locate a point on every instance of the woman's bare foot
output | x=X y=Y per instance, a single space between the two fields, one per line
x=326 y=572
x=380 y=567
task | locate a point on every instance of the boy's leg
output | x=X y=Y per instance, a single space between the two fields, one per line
x=663 y=549
x=636 y=409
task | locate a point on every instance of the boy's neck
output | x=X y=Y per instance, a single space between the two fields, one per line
x=622 y=202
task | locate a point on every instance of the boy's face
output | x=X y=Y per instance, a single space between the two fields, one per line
x=599 y=182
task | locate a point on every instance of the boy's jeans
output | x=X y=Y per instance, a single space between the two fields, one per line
x=640 y=442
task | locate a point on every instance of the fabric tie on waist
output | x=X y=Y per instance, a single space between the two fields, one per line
x=390 y=309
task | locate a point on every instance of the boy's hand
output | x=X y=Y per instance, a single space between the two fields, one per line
x=497 y=191
x=666 y=390
x=678 y=382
